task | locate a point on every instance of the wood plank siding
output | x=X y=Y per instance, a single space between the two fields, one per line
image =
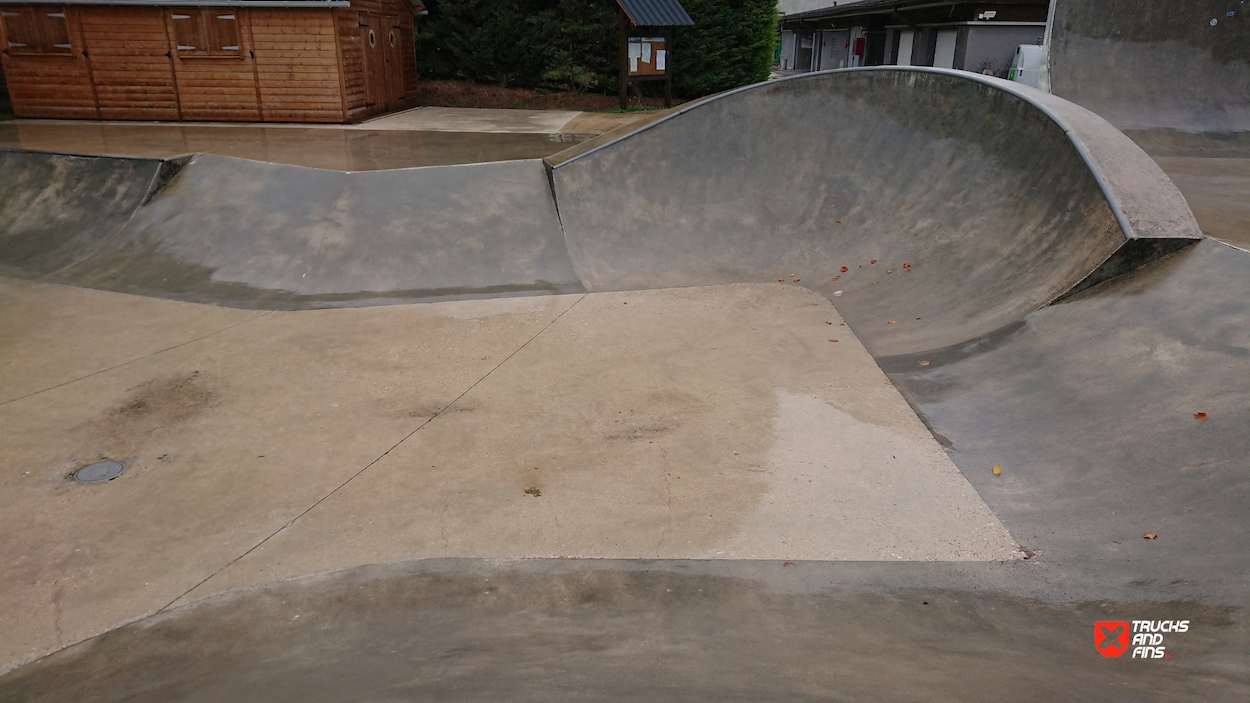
x=129 y=54
x=227 y=63
x=297 y=65
x=44 y=64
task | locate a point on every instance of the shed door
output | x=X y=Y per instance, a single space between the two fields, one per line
x=394 y=63
x=381 y=41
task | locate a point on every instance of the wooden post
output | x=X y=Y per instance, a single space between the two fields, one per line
x=668 y=66
x=624 y=63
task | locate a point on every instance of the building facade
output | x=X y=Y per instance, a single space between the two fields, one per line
x=970 y=36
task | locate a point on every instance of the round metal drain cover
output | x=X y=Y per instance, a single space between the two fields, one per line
x=99 y=471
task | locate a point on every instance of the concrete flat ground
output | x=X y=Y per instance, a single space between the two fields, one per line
x=715 y=423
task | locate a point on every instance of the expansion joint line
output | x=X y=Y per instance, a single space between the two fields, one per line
x=380 y=457
x=136 y=359
x=158 y=352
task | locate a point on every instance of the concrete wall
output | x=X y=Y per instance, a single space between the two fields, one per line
x=1155 y=64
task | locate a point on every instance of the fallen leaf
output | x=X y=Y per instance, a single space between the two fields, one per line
x=836 y=278
x=890 y=322
x=889 y=270
x=839 y=221
x=873 y=261
x=789 y=563
x=781 y=280
x=1200 y=416
x=828 y=323
x=797 y=280
x=997 y=469
x=833 y=340
x=906 y=266
x=1150 y=535
x=925 y=363
x=793 y=275
x=844 y=269
x=874 y=283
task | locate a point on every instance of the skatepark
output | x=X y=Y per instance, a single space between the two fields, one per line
x=734 y=403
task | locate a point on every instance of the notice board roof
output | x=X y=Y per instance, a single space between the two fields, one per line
x=655 y=13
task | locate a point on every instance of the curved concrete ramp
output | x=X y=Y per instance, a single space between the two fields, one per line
x=251 y=234
x=1177 y=65
x=57 y=208
x=979 y=200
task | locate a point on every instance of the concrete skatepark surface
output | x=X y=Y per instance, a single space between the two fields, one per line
x=279 y=537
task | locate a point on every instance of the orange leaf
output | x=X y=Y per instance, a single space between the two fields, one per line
x=873 y=261
x=843 y=269
x=925 y=363
x=789 y=563
x=890 y=322
x=1200 y=416
x=1150 y=535
x=839 y=221
x=836 y=277
x=797 y=280
x=874 y=283
x=889 y=270
x=781 y=280
x=833 y=340
x=906 y=266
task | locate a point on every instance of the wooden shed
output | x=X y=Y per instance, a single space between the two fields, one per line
x=229 y=60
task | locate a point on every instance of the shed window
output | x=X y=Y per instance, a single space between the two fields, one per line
x=206 y=31
x=36 y=30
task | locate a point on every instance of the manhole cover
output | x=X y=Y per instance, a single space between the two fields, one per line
x=99 y=471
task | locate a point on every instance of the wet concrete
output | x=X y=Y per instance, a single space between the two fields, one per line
x=331 y=148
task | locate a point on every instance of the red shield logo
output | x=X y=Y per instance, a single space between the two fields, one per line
x=1111 y=637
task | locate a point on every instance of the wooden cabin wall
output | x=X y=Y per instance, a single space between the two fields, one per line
x=47 y=80
x=297 y=65
x=128 y=50
x=124 y=63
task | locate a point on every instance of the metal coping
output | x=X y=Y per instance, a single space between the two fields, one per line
x=996 y=83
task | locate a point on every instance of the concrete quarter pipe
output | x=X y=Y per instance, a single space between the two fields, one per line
x=1028 y=278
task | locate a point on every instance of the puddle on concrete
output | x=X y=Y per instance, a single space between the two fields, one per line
x=316 y=147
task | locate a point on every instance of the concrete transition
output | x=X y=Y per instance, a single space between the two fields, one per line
x=1025 y=275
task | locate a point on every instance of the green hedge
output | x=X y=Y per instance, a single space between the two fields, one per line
x=572 y=44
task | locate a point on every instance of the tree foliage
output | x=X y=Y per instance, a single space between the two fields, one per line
x=730 y=45
x=572 y=44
